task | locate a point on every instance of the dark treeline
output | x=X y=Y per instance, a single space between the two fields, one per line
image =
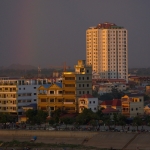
x=140 y=71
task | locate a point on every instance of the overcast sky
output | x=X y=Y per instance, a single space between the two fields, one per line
x=50 y=32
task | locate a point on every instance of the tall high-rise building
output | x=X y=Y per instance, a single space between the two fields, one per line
x=107 y=50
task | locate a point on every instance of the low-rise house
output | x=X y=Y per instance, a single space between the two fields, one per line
x=103 y=88
x=89 y=102
x=132 y=105
x=114 y=104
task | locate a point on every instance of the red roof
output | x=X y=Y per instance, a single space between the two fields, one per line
x=87 y=96
x=114 y=102
x=107 y=102
x=109 y=110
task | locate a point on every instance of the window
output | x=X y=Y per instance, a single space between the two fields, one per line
x=131 y=109
x=82 y=78
x=136 y=108
x=51 y=92
x=35 y=100
x=60 y=100
x=34 y=87
x=87 y=78
x=59 y=92
x=51 y=100
x=79 y=92
x=83 y=85
x=43 y=100
x=24 y=88
x=87 y=92
x=83 y=92
x=34 y=93
x=90 y=102
x=87 y=85
x=87 y=71
x=93 y=102
x=19 y=88
x=79 y=85
x=79 y=78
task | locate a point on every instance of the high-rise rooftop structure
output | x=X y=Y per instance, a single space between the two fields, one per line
x=107 y=50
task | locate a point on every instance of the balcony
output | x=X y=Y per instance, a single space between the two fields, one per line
x=69 y=103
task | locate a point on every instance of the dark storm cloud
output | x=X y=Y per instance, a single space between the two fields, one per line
x=43 y=32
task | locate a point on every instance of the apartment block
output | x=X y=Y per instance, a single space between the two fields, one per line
x=107 y=50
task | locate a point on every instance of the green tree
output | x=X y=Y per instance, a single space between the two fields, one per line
x=86 y=116
x=67 y=120
x=115 y=119
x=137 y=121
x=5 y=117
x=41 y=116
x=56 y=115
x=52 y=121
x=122 y=120
x=36 y=116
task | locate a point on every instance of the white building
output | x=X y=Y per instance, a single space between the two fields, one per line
x=18 y=93
x=107 y=50
x=104 y=88
x=89 y=102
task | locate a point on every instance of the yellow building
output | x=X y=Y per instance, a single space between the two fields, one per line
x=8 y=96
x=69 y=92
x=65 y=95
x=132 y=105
x=77 y=83
x=50 y=97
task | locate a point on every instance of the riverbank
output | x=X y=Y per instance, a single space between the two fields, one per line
x=117 y=140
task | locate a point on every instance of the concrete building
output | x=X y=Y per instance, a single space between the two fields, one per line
x=8 y=96
x=132 y=105
x=89 y=102
x=18 y=93
x=50 y=97
x=104 y=88
x=77 y=83
x=107 y=50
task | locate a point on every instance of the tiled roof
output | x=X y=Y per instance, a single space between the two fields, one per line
x=109 y=110
x=114 y=102
x=46 y=85
x=87 y=96
x=107 y=102
x=58 y=84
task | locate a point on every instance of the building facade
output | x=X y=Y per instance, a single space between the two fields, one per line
x=89 y=102
x=132 y=105
x=107 y=50
x=77 y=83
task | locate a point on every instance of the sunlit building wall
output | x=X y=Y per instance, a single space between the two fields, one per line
x=107 y=50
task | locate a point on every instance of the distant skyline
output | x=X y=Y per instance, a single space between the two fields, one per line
x=51 y=32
